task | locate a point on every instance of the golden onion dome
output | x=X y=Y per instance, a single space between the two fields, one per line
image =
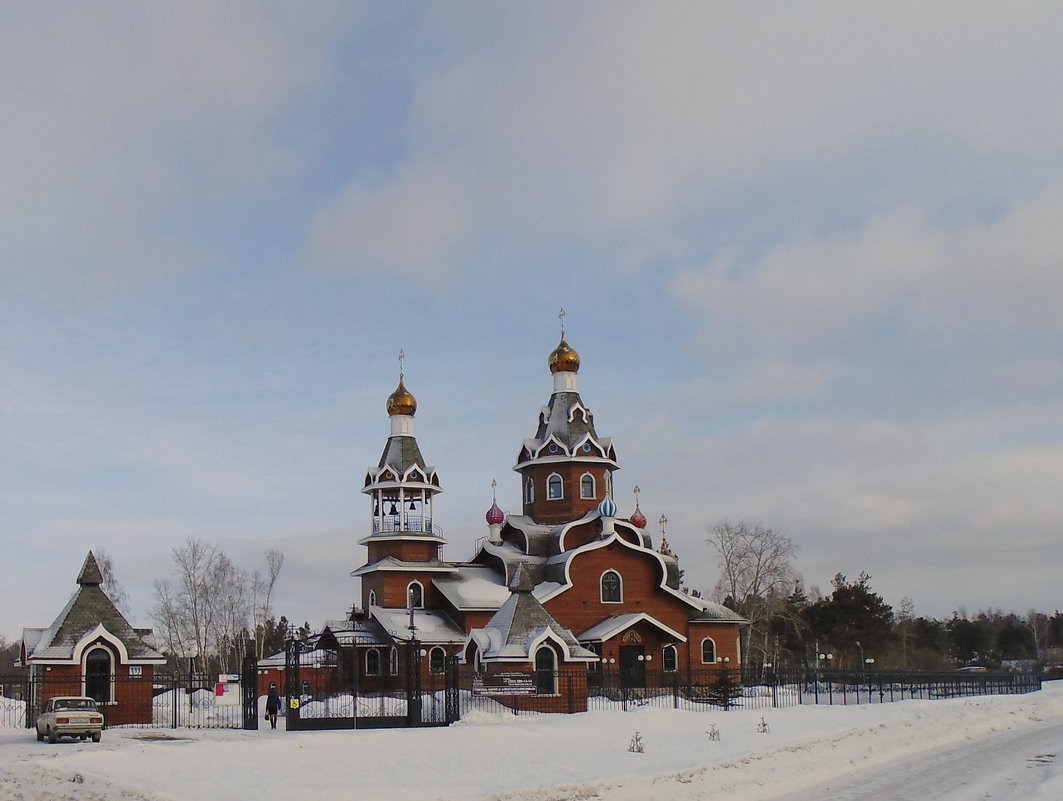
x=563 y=359
x=401 y=401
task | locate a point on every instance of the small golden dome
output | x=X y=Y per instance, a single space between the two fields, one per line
x=564 y=359
x=401 y=401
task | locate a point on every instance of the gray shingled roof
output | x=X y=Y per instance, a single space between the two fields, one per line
x=88 y=608
x=400 y=453
x=518 y=625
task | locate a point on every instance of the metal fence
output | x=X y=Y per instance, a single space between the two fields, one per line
x=168 y=701
x=722 y=690
x=192 y=701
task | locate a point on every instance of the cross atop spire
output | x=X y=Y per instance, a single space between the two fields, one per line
x=561 y=317
x=402 y=359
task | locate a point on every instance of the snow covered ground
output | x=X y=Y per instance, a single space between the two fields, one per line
x=1002 y=747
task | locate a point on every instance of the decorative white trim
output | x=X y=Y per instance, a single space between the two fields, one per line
x=111 y=665
x=615 y=538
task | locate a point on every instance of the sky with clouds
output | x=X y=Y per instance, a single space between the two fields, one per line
x=810 y=255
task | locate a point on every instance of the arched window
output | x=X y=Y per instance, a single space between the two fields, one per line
x=554 y=489
x=670 y=659
x=393 y=661
x=597 y=648
x=545 y=671
x=586 y=486
x=372 y=597
x=437 y=661
x=612 y=587
x=529 y=491
x=415 y=595
x=98 y=675
x=708 y=651
x=372 y=662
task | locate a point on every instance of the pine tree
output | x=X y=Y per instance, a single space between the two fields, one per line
x=724 y=691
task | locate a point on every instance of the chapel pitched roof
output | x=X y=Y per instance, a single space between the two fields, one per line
x=88 y=608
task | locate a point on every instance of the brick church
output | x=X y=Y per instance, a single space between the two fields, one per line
x=566 y=587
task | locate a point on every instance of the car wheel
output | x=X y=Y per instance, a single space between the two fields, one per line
x=40 y=736
x=96 y=737
x=53 y=738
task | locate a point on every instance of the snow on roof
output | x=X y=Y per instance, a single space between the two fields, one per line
x=715 y=611
x=317 y=657
x=517 y=629
x=391 y=563
x=611 y=626
x=473 y=587
x=431 y=625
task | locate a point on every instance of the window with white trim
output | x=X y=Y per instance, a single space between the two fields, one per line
x=372 y=662
x=586 y=486
x=708 y=651
x=414 y=595
x=437 y=661
x=554 y=488
x=670 y=659
x=612 y=587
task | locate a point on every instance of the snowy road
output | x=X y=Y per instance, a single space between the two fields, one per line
x=1010 y=764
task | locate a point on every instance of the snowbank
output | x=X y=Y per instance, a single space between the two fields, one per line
x=1002 y=747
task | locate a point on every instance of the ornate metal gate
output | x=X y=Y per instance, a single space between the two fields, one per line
x=401 y=693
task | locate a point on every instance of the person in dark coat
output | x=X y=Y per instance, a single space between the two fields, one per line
x=273 y=704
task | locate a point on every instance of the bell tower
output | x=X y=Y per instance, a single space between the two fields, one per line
x=402 y=491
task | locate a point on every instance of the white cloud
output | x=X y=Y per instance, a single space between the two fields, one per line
x=413 y=225
x=123 y=124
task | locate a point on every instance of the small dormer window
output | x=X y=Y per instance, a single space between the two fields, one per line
x=529 y=491
x=554 y=488
x=415 y=595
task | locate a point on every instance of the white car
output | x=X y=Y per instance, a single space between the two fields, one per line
x=70 y=716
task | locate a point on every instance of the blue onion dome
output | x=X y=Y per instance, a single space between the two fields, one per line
x=563 y=358
x=401 y=401
x=607 y=508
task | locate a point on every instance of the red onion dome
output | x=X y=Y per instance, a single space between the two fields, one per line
x=494 y=515
x=638 y=519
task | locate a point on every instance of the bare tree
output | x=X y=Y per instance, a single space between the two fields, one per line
x=262 y=587
x=210 y=608
x=185 y=611
x=756 y=576
x=111 y=586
